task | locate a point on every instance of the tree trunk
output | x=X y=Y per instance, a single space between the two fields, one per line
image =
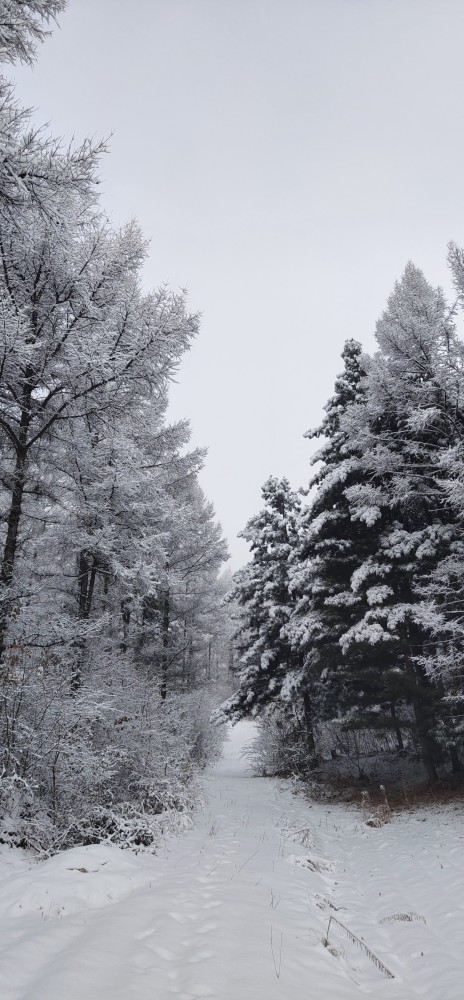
x=456 y=765
x=308 y=717
x=190 y=662
x=87 y=572
x=397 y=730
x=230 y=661
x=11 y=540
x=126 y=616
x=14 y=517
x=425 y=741
x=165 y=643
x=423 y=723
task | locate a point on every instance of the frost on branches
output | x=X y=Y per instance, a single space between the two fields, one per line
x=374 y=568
x=109 y=560
x=269 y=670
x=34 y=169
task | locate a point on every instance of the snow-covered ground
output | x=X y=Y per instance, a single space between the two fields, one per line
x=237 y=909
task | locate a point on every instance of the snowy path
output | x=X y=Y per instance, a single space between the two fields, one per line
x=236 y=908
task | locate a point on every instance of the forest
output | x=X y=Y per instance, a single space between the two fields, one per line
x=351 y=610
x=112 y=628
x=119 y=629
x=231 y=785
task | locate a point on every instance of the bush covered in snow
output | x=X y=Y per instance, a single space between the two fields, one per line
x=113 y=763
x=280 y=748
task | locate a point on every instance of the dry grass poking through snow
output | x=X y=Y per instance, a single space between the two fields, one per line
x=359 y=943
x=238 y=908
x=378 y=805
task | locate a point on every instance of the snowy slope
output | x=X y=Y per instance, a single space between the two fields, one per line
x=237 y=908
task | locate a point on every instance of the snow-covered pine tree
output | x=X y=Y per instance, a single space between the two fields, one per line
x=329 y=549
x=443 y=590
x=269 y=669
x=408 y=419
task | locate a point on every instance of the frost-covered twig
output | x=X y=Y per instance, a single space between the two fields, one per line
x=360 y=944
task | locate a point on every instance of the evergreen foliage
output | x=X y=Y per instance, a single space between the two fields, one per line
x=329 y=549
x=375 y=567
x=269 y=669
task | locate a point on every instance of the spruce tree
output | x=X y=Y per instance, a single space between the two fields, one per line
x=329 y=550
x=268 y=666
x=408 y=420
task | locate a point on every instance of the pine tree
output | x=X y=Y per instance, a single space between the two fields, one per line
x=269 y=670
x=330 y=548
x=408 y=420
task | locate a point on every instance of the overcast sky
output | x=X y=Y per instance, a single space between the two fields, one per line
x=285 y=158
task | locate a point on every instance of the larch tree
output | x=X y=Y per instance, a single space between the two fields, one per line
x=188 y=599
x=78 y=341
x=24 y=23
x=34 y=168
x=110 y=552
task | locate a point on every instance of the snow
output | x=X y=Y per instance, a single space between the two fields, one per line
x=238 y=907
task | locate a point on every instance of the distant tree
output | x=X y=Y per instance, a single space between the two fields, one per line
x=268 y=668
x=190 y=600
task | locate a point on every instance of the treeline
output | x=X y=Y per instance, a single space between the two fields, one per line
x=352 y=606
x=110 y=610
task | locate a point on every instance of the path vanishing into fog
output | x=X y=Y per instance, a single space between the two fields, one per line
x=237 y=908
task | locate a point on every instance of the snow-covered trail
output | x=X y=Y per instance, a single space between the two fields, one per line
x=236 y=909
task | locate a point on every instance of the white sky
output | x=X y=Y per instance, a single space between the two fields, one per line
x=286 y=158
